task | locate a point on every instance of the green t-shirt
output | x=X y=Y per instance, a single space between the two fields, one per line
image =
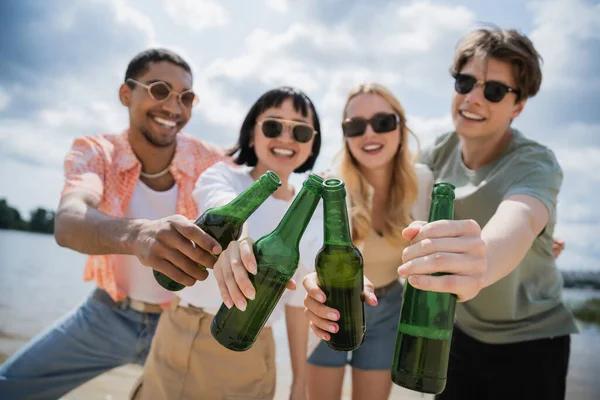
x=527 y=303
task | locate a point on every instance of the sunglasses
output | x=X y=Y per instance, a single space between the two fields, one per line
x=160 y=91
x=273 y=127
x=493 y=91
x=380 y=122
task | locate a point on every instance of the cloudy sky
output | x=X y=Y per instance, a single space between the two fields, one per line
x=61 y=63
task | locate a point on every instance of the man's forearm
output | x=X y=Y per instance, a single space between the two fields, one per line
x=83 y=228
x=508 y=237
x=505 y=252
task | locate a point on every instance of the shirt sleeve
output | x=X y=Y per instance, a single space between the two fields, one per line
x=84 y=167
x=542 y=181
x=216 y=185
x=425 y=156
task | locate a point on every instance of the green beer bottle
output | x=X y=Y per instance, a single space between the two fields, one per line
x=277 y=257
x=340 y=269
x=426 y=321
x=225 y=223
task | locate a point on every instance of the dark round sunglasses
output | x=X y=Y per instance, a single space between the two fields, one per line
x=380 y=122
x=493 y=91
x=160 y=91
x=273 y=127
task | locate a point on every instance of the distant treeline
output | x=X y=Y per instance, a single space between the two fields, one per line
x=582 y=279
x=40 y=220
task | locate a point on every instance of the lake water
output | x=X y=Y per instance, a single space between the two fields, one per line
x=40 y=281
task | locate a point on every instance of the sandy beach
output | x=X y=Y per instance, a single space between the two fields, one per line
x=115 y=385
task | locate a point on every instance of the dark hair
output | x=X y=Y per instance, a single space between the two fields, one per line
x=506 y=45
x=274 y=98
x=140 y=63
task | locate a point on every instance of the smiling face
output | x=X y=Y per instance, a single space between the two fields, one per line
x=282 y=154
x=158 y=121
x=473 y=115
x=372 y=150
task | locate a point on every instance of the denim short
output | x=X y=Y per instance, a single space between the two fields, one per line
x=377 y=350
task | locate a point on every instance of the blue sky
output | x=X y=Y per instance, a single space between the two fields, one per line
x=61 y=63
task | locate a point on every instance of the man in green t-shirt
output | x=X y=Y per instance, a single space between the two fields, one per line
x=511 y=336
x=512 y=340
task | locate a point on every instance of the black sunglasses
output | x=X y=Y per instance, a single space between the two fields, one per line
x=160 y=91
x=493 y=91
x=380 y=122
x=273 y=127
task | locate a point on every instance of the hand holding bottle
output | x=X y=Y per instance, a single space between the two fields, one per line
x=277 y=258
x=225 y=223
x=174 y=246
x=232 y=271
x=322 y=319
x=452 y=247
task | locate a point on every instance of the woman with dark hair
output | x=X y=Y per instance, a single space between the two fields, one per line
x=280 y=133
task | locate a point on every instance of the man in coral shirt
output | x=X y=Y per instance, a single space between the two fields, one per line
x=127 y=202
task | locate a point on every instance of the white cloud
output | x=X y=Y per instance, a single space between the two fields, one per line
x=574 y=211
x=82 y=108
x=126 y=14
x=422 y=25
x=34 y=186
x=584 y=161
x=563 y=31
x=198 y=14
x=327 y=60
x=281 y=6
x=269 y=55
x=581 y=245
x=45 y=137
x=45 y=150
x=427 y=129
x=4 y=99
x=218 y=108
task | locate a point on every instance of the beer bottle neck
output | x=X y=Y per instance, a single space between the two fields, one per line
x=250 y=199
x=296 y=219
x=336 y=226
x=442 y=207
x=442 y=202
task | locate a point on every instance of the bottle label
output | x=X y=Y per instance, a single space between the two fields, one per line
x=425 y=331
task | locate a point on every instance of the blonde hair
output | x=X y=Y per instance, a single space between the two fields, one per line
x=403 y=186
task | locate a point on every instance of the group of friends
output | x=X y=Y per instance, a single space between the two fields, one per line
x=130 y=199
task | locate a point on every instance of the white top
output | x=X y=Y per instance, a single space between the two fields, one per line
x=135 y=279
x=223 y=182
x=420 y=210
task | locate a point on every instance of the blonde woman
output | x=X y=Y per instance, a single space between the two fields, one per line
x=386 y=192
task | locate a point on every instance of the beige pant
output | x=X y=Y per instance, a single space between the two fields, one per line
x=186 y=362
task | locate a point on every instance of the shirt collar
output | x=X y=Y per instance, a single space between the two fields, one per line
x=125 y=158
